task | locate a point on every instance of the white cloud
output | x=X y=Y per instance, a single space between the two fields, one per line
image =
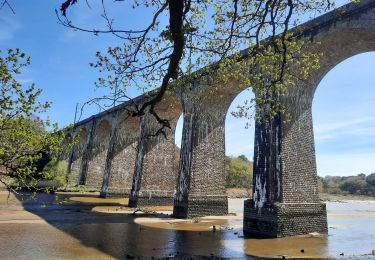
x=364 y=127
x=8 y=27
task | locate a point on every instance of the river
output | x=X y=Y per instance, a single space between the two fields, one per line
x=71 y=226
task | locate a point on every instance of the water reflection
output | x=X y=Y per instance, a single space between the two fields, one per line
x=92 y=229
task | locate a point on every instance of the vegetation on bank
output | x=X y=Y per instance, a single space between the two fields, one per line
x=239 y=172
x=361 y=184
x=26 y=146
x=240 y=175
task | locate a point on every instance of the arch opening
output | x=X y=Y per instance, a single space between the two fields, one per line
x=178 y=140
x=344 y=126
x=239 y=145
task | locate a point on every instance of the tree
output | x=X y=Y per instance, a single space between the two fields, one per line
x=239 y=172
x=371 y=179
x=243 y=158
x=354 y=185
x=198 y=34
x=23 y=138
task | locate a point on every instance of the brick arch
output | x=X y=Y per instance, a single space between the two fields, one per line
x=98 y=153
x=288 y=175
x=340 y=46
x=122 y=167
x=159 y=171
x=154 y=174
x=201 y=186
x=77 y=153
x=103 y=129
x=336 y=46
x=83 y=134
x=128 y=131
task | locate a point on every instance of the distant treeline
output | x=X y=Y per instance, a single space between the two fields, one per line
x=239 y=172
x=240 y=175
x=358 y=185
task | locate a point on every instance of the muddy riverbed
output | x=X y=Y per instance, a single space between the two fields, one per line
x=76 y=226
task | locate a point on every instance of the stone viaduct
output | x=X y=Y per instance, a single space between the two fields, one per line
x=117 y=154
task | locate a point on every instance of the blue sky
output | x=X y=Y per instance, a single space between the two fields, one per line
x=343 y=109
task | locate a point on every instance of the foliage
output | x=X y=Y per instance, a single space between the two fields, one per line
x=81 y=189
x=371 y=179
x=201 y=42
x=358 y=185
x=243 y=158
x=24 y=142
x=56 y=170
x=353 y=185
x=239 y=172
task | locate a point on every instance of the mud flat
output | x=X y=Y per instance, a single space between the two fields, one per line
x=76 y=226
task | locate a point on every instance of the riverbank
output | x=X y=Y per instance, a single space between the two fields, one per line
x=345 y=197
x=246 y=193
x=84 y=226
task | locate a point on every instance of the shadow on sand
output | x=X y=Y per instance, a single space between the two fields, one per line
x=116 y=234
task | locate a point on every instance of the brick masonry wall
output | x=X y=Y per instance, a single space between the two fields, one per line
x=202 y=177
x=286 y=199
x=159 y=175
x=77 y=156
x=280 y=219
x=122 y=169
x=337 y=42
x=98 y=154
x=299 y=173
x=297 y=210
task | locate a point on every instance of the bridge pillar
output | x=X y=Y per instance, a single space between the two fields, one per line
x=285 y=187
x=155 y=174
x=75 y=156
x=86 y=154
x=201 y=182
x=98 y=154
x=109 y=157
x=121 y=154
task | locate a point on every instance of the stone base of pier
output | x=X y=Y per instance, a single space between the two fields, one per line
x=199 y=206
x=284 y=219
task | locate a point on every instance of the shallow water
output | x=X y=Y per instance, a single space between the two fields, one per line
x=87 y=228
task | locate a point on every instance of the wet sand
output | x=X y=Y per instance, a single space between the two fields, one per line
x=71 y=226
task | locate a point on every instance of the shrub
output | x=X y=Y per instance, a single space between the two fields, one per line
x=239 y=172
x=371 y=179
x=56 y=170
